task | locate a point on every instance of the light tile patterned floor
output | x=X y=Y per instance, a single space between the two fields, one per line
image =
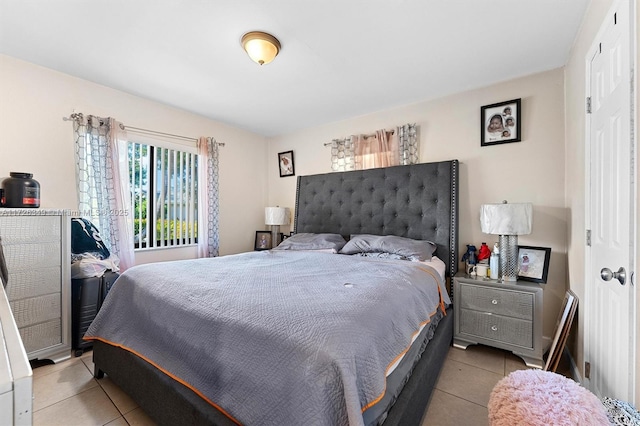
x=67 y=394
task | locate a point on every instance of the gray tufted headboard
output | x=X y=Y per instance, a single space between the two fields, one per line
x=418 y=201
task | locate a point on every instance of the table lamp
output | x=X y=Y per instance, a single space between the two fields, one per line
x=276 y=216
x=508 y=221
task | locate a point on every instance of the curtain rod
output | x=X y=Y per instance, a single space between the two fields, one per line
x=152 y=132
x=370 y=135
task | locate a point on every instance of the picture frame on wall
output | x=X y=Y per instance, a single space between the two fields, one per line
x=263 y=240
x=533 y=263
x=500 y=123
x=285 y=164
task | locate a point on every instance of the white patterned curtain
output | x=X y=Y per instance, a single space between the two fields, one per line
x=103 y=182
x=380 y=149
x=208 y=198
x=408 y=144
x=342 y=155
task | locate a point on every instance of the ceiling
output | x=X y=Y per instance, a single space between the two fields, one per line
x=339 y=58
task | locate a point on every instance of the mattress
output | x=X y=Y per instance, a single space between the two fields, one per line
x=277 y=338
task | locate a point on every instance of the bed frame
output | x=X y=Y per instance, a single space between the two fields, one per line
x=417 y=201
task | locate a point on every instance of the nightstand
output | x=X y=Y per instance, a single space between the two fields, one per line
x=499 y=314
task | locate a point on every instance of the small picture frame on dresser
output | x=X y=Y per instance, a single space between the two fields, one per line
x=533 y=263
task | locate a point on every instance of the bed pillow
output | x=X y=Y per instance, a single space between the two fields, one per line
x=308 y=241
x=406 y=247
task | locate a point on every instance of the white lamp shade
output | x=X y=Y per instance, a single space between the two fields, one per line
x=277 y=216
x=506 y=219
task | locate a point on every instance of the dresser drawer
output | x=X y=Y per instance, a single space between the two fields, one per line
x=34 y=282
x=42 y=336
x=36 y=309
x=497 y=301
x=25 y=257
x=508 y=330
x=21 y=229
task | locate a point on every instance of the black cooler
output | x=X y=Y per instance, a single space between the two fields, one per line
x=87 y=295
x=92 y=278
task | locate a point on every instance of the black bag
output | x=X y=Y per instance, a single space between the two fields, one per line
x=85 y=238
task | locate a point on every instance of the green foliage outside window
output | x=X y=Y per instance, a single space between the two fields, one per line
x=172 y=229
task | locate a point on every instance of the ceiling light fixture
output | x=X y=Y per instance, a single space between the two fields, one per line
x=261 y=47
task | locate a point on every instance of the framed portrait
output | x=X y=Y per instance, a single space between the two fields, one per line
x=533 y=263
x=500 y=123
x=563 y=326
x=263 y=240
x=285 y=164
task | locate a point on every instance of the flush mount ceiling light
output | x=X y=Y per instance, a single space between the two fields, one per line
x=261 y=47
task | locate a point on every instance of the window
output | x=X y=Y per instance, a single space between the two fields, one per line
x=164 y=188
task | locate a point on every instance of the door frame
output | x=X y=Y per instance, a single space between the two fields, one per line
x=633 y=195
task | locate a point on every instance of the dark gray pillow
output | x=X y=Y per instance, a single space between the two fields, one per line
x=406 y=247
x=307 y=241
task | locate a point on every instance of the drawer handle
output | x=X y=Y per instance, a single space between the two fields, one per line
x=494 y=328
x=494 y=301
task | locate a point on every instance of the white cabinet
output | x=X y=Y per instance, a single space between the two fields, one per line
x=37 y=250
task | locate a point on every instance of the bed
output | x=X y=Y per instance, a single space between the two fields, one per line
x=417 y=202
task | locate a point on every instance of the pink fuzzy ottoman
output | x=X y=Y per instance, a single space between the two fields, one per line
x=541 y=398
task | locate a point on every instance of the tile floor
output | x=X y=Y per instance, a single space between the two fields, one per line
x=67 y=394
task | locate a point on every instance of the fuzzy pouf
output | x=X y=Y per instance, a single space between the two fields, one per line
x=541 y=398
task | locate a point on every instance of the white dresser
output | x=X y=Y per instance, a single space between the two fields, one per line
x=37 y=248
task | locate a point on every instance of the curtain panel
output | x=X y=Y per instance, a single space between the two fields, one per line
x=103 y=182
x=208 y=198
x=380 y=149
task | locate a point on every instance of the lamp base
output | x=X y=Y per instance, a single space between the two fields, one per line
x=275 y=236
x=508 y=257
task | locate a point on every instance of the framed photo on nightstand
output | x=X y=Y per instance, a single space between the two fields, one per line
x=263 y=240
x=533 y=263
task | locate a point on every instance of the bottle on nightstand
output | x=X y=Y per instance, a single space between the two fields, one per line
x=494 y=262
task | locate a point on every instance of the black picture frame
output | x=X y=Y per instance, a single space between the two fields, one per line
x=510 y=125
x=263 y=240
x=285 y=164
x=533 y=263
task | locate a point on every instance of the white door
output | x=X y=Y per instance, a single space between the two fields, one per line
x=610 y=303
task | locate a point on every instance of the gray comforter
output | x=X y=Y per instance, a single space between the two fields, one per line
x=274 y=338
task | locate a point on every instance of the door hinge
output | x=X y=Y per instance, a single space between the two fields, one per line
x=589 y=237
x=587 y=370
x=589 y=105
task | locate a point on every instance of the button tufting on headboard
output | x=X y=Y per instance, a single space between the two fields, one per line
x=417 y=201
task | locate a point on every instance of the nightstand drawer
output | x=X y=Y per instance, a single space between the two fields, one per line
x=512 y=331
x=497 y=301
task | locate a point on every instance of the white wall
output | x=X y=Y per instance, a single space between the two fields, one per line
x=35 y=138
x=527 y=171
